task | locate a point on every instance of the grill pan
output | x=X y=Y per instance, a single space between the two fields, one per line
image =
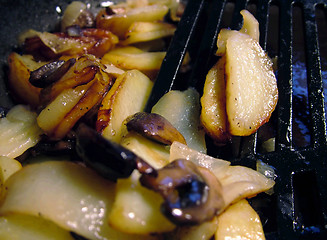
x=298 y=207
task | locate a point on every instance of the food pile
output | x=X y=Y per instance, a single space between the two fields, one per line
x=79 y=158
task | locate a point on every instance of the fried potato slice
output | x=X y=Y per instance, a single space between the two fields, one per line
x=136 y=209
x=56 y=111
x=155 y=154
x=213 y=101
x=204 y=231
x=251 y=86
x=18 y=131
x=134 y=58
x=147 y=31
x=72 y=96
x=25 y=227
x=184 y=115
x=239 y=221
x=20 y=67
x=127 y=96
x=250 y=25
x=72 y=196
x=118 y=23
x=8 y=166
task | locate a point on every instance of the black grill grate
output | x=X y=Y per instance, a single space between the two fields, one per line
x=298 y=209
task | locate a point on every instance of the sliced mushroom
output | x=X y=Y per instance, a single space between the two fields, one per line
x=192 y=195
x=109 y=159
x=155 y=127
x=50 y=73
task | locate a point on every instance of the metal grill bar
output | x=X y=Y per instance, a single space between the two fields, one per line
x=176 y=52
x=284 y=136
x=315 y=85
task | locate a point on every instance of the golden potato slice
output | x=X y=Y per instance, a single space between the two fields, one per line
x=136 y=209
x=70 y=195
x=182 y=151
x=20 y=68
x=155 y=154
x=56 y=111
x=127 y=96
x=204 y=231
x=250 y=25
x=251 y=86
x=182 y=110
x=118 y=23
x=18 y=131
x=147 y=31
x=91 y=98
x=241 y=182
x=239 y=221
x=133 y=58
x=25 y=227
x=213 y=101
x=85 y=69
x=8 y=166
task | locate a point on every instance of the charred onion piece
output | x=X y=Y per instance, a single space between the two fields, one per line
x=154 y=126
x=109 y=159
x=191 y=197
x=48 y=46
x=50 y=73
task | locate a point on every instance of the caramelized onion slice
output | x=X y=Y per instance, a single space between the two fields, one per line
x=155 y=127
x=192 y=195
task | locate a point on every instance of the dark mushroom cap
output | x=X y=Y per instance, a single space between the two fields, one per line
x=192 y=195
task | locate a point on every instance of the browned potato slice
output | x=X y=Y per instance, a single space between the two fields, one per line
x=83 y=71
x=20 y=68
x=154 y=126
x=113 y=71
x=26 y=227
x=127 y=96
x=55 y=112
x=204 y=231
x=49 y=188
x=133 y=58
x=120 y=22
x=241 y=182
x=91 y=98
x=250 y=25
x=147 y=31
x=239 y=221
x=18 y=131
x=251 y=86
x=184 y=116
x=136 y=209
x=157 y=155
x=8 y=166
x=213 y=101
